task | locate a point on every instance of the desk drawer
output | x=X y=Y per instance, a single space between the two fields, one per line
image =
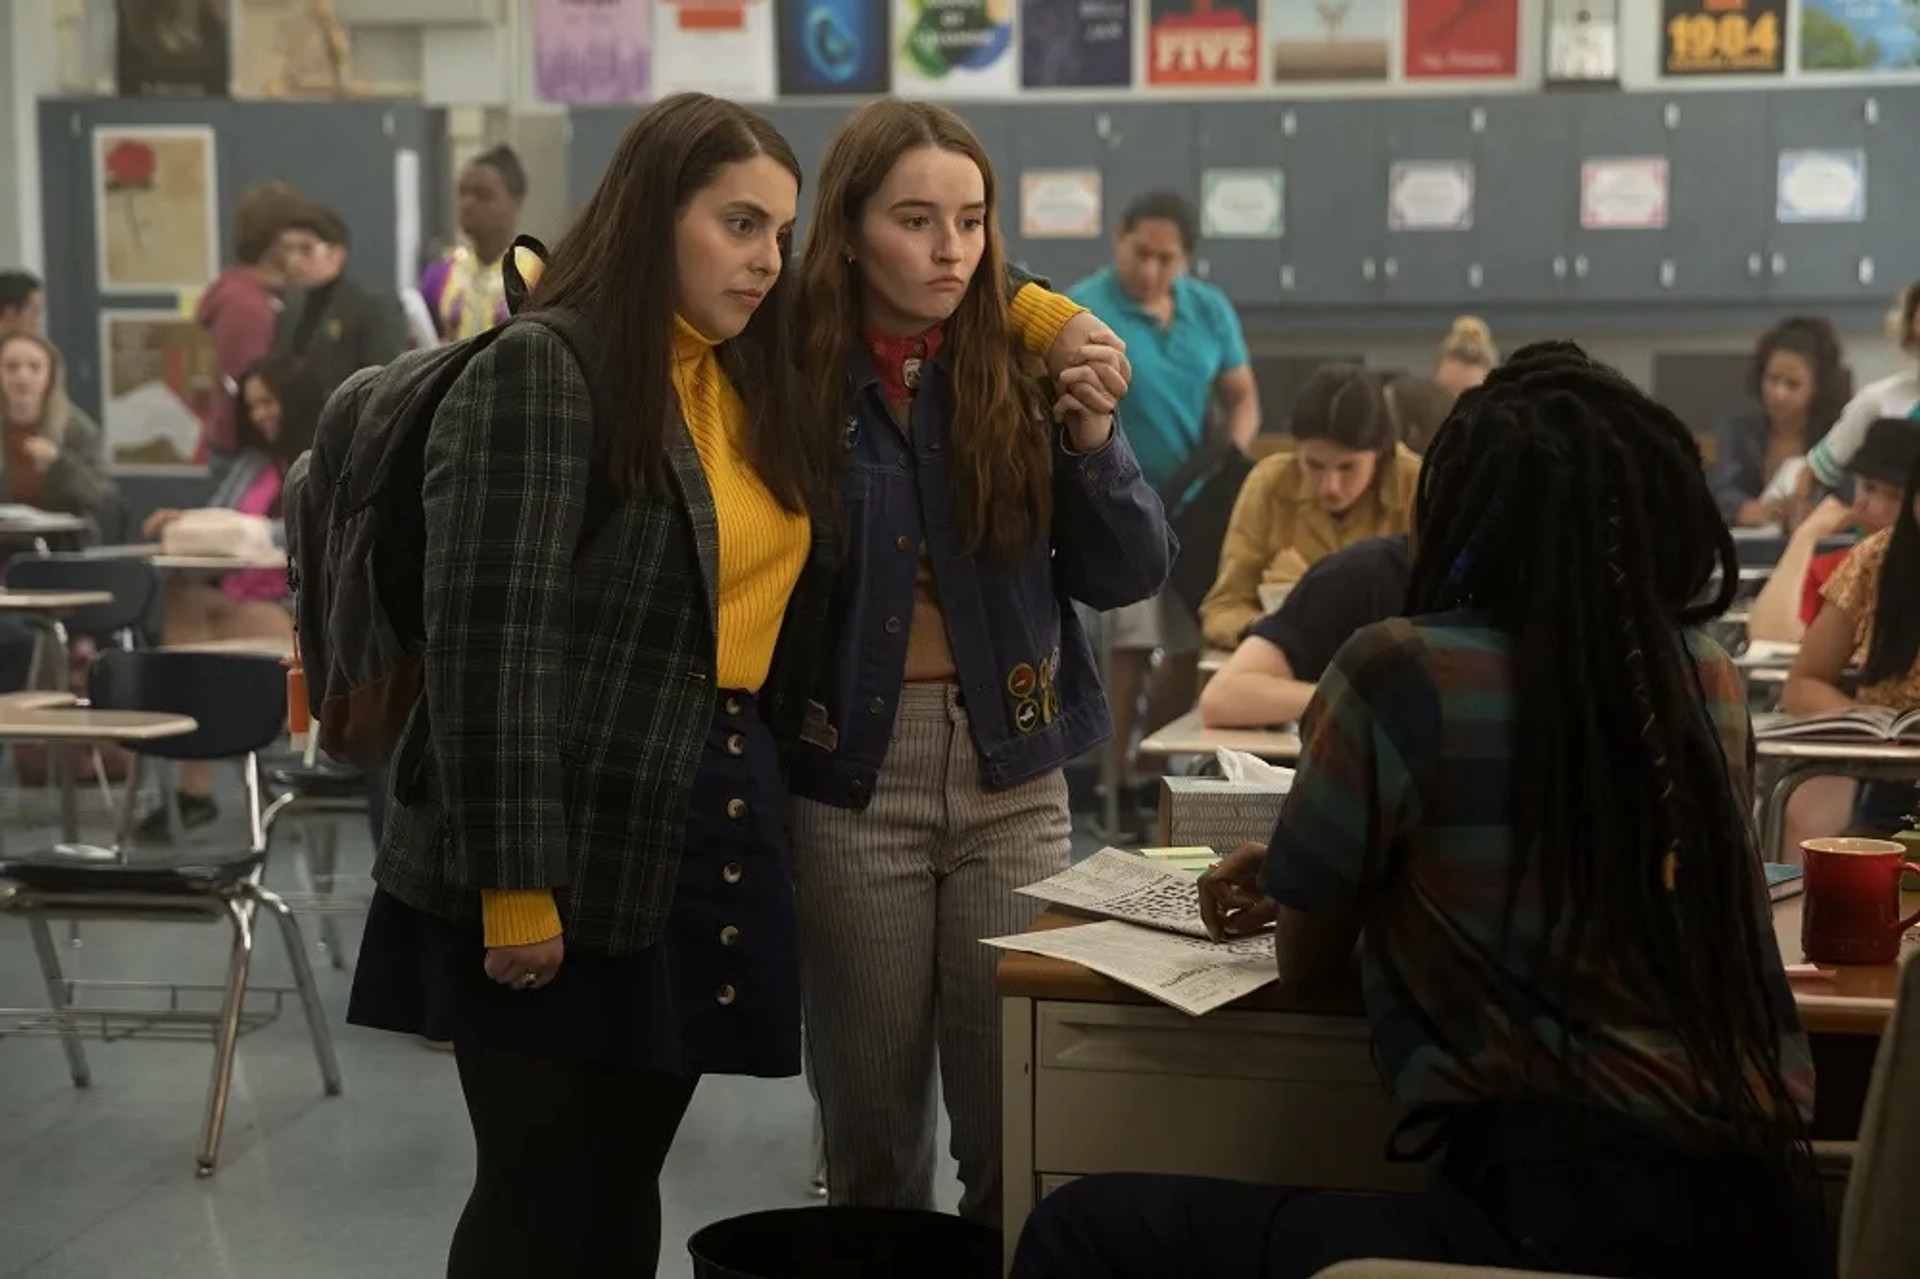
x=1275 y=1097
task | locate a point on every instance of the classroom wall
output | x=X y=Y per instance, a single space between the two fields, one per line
x=484 y=72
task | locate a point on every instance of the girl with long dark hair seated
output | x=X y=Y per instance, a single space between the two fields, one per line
x=1529 y=803
x=276 y=410
x=1871 y=619
x=1799 y=382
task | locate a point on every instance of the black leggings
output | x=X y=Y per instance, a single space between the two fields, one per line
x=568 y=1183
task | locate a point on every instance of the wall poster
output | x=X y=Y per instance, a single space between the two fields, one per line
x=1723 y=37
x=157 y=384
x=1242 y=204
x=722 y=47
x=1430 y=195
x=1822 y=186
x=1624 y=194
x=179 y=48
x=1076 y=43
x=1203 y=42
x=1583 y=42
x=155 y=207
x=833 y=46
x=1455 y=39
x=1859 y=35
x=954 y=48
x=1060 y=204
x=592 y=50
x=1321 y=41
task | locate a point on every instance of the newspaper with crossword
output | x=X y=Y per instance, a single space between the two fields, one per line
x=1127 y=887
x=1195 y=976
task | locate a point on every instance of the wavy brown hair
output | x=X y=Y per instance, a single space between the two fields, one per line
x=615 y=270
x=1000 y=432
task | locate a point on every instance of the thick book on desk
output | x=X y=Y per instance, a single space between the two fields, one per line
x=1855 y=724
x=1784 y=881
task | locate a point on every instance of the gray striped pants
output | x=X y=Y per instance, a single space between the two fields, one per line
x=893 y=903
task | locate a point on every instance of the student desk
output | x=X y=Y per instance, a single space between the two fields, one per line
x=1801 y=759
x=1187 y=736
x=186 y=563
x=1099 y=1078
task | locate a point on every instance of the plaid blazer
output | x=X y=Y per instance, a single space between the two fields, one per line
x=569 y=682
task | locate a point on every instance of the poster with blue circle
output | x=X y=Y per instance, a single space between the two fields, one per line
x=833 y=46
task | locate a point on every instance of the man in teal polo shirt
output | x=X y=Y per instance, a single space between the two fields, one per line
x=1184 y=342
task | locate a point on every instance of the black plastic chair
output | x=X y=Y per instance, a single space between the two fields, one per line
x=133 y=583
x=239 y=703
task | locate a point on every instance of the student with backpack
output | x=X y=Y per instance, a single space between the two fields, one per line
x=569 y=574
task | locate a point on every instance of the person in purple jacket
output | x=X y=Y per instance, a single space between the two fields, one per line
x=464 y=290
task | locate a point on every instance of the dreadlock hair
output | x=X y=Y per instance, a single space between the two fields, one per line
x=1896 y=607
x=1571 y=509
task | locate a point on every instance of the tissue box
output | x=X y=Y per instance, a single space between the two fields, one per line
x=1209 y=812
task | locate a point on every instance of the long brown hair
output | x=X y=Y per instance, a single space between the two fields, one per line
x=615 y=269
x=1000 y=431
x=56 y=410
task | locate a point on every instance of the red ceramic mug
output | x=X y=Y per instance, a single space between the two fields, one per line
x=1851 y=911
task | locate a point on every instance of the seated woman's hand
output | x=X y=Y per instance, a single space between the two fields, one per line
x=1231 y=901
x=158 y=521
x=42 y=452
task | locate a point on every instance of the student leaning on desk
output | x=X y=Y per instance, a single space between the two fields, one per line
x=1872 y=619
x=1527 y=803
x=1270 y=677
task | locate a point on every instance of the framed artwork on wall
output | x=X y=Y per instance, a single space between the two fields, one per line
x=1583 y=42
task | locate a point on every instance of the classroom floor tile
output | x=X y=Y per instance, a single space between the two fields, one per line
x=99 y=1184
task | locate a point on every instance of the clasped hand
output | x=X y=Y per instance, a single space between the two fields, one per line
x=1091 y=374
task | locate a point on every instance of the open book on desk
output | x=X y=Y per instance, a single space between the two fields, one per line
x=1856 y=724
x=1151 y=892
x=1152 y=938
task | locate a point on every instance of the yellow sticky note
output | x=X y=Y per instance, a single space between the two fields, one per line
x=1177 y=854
x=190 y=302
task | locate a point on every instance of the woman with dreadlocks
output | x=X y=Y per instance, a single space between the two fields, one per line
x=1528 y=803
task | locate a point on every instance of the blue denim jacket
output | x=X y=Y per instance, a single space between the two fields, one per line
x=1026 y=671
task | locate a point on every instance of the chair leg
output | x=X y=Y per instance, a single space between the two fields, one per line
x=49 y=956
x=309 y=990
x=129 y=805
x=227 y=1036
x=326 y=860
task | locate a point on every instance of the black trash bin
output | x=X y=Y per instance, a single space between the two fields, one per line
x=845 y=1243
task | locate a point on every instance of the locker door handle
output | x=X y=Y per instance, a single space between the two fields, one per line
x=1367 y=268
x=1476 y=276
x=1560 y=267
x=1753 y=265
x=1393 y=268
x=1580 y=266
x=1286 y=279
x=1779 y=264
x=1203 y=268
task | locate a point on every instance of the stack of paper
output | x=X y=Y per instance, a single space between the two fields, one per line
x=1154 y=940
x=1194 y=976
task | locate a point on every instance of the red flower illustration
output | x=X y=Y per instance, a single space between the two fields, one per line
x=131 y=165
x=130 y=168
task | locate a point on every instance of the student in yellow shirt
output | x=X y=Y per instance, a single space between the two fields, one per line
x=1348 y=478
